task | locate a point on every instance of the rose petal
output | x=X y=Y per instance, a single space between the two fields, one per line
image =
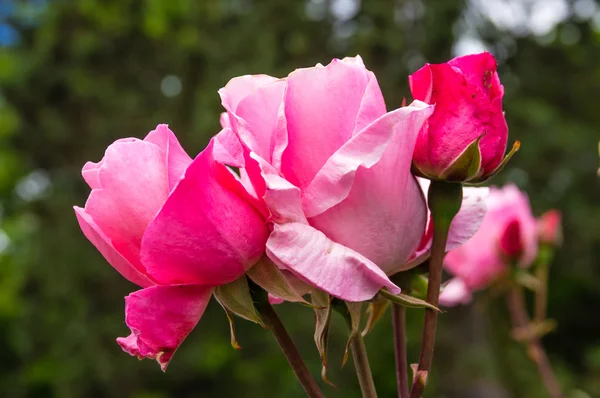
x=207 y=231
x=134 y=185
x=334 y=180
x=383 y=217
x=325 y=264
x=90 y=174
x=321 y=108
x=177 y=160
x=160 y=318
x=105 y=247
x=454 y=293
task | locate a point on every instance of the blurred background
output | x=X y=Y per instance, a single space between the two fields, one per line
x=76 y=75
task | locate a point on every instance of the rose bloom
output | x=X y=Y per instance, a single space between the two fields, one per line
x=465 y=138
x=176 y=227
x=508 y=235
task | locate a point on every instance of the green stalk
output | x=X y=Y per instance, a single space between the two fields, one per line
x=444 y=200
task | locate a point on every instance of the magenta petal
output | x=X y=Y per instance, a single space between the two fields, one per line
x=325 y=264
x=207 y=231
x=480 y=72
x=160 y=318
x=105 y=247
x=176 y=158
x=334 y=180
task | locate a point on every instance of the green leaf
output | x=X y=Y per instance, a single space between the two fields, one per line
x=266 y=274
x=408 y=301
x=235 y=297
x=322 y=306
x=376 y=309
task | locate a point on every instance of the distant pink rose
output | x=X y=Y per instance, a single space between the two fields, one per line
x=550 y=228
x=333 y=168
x=465 y=138
x=508 y=234
x=173 y=226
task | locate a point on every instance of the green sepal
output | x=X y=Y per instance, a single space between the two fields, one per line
x=466 y=166
x=482 y=179
x=266 y=275
x=353 y=312
x=322 y=306
x=236 y=298
x=408 y=301
x=376 y=309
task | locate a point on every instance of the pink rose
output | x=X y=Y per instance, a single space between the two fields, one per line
x=465 y=138
x=508 y=235
x=173 y=226
x=550 y=228
x=333 y=168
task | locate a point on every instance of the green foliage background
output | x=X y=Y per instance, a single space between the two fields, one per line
x=86 y=72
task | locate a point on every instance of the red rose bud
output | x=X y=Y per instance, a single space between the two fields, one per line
x=550 y=228
x=465 y=138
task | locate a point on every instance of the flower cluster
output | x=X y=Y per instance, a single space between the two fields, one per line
x=312 y=186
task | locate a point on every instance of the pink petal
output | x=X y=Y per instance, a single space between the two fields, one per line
x=383 y=217
x=260 y=115
x=334 y=180
x=224 y=120
x=253 y=103
x=227 y=148
x=134 y=181
x=90 y=174
x=325 y=264
x=207 y=232
x=321 y=108
x=239 y=88
x=454 y=293
x=469 y=218
x=160 y=318
x=176 y=158
x=105 y=247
